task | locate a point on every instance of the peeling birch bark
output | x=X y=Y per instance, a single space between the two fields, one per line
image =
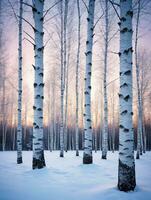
x=62 y=89
x=19 y=124
x=105 y=120
x=140 y=124
x=87 y=155
x=77 y=79
x=38 y=148
x=126 y=168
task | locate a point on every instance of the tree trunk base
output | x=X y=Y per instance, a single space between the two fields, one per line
x=61 y=154
x=126 y=177
x=39 y=163
x=87 y=159
x=137 y=155
x=77 y=153
x=19 y=160
x=104 y=157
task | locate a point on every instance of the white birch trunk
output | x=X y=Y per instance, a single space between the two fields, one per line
x=66 y=105
x=38 y=148
x=144 y=137
x=82 y=92
x=95 y=129
x=113 y=124
x=14 y=133
x=139 y=127
x=62 y=89
x=19 y=124
x=101 y=120
x=65 y=71
x=77 y=79
x=126 y=168
x=87 y=156
x=105 y=120
x=4 y=110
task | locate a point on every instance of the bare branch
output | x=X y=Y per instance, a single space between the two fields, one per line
x=113 y=35
x=97 y=21
x=48 y=40
x=28 y=5
x=113 y=81
x=29 y=35
x=29 y=41
x=113 y=52
x=27 y=22
x=85 y=5
x=116 y=4
x=50 y=18
x=13 y=11
x=51 y=8
x=115 y=9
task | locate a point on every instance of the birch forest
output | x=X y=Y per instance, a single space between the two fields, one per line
x=75 y=90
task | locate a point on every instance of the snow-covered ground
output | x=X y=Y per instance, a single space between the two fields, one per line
x=68 y=179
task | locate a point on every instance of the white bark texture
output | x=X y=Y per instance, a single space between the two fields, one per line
x=87 y=156
x=126 y=168
x=139 y=104
x=105 y=120
x=66 y=100
x=19 y=124
x=62 y=89
x=38 y=149
x=77 y=79
x=65 y=71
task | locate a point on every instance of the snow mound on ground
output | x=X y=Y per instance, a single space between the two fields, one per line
x=68 y=179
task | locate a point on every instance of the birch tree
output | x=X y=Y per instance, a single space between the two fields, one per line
x=126 y=168
x=3 y=79
x=77 y=79
x=19 y=125
x=62 y=88
x=66 y=71
x=87 y=155
x=38 y=149
x=105 y=123
x=139 y=128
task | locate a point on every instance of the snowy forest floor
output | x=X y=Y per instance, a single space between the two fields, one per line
x=68 y=179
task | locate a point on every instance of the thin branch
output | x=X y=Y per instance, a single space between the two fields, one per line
x=51 y=8
x=28 y=5
x=97 y=21
x=27 y=22
x=29 y=41
x=114 y=52
x=50 y=18
x=112 y=81
x=29 y=35
x=115 y=9
x=13 y=11
x=116 y=4
x=113 y=35
x=85 y=5
x=48 y=40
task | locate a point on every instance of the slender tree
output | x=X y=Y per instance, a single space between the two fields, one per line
x=62 y=86
x=38 y=149
x=140 y=124
x=126 y=168
x=87 y=155
x=19 y=125
x=105 y=120
x=77 y=79
x=65 y=70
